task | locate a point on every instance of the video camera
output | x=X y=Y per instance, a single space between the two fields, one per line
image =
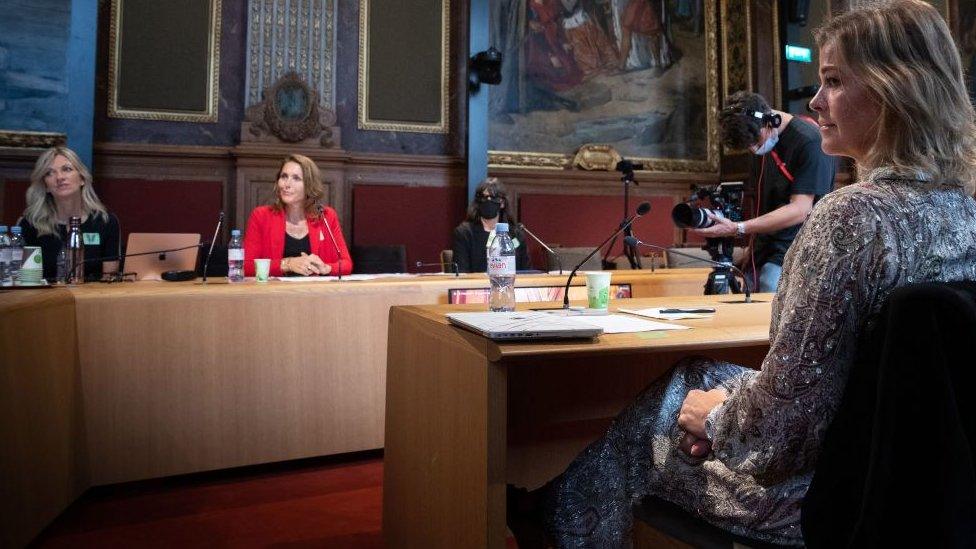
x=725 y=199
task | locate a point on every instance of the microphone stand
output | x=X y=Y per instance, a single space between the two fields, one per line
x=454 y=266
x=641 y=210
x=335 y=245
x=559 y=261
x=206 y=263
x=745 y=283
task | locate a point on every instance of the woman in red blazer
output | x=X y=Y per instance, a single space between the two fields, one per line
x=292 y=232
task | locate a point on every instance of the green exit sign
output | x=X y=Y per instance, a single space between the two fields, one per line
x=798 y=54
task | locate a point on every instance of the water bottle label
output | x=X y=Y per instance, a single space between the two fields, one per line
x=17 y=254
x=235 y=254
x=5 y=255
x=501 y=266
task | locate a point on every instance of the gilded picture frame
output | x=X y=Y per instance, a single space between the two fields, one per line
x=421 y=111
x=127 y=79
x=698 y=54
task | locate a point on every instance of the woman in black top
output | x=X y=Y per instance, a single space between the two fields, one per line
x=471 y=237
x=61 y=189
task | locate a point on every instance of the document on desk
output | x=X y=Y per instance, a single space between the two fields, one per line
x=622 y=324
x=676 y=313
x=349 y=278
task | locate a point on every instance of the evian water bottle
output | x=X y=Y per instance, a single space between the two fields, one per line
x=501 y=270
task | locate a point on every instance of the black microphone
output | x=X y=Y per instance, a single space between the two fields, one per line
x=633 y=241
x=526 y=230
x=454 y=266
x=641 y=210
x=335 y=244
x=206 y=263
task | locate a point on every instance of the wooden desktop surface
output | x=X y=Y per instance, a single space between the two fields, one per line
x=465 y=416
x=107 y=383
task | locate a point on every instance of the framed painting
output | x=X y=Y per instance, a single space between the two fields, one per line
x=638 y=75
x=967 y=44
x=164 y=60
x=404 y=71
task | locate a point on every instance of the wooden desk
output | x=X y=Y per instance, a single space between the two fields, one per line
x=465 y=415
x=102 y=384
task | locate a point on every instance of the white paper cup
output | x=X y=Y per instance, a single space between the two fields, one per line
x=598 y=289
x=262 y=268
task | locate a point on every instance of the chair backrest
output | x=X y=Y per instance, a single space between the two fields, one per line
x=375 y=259
x=447 y=261
x=571 y=256
x=898 y=462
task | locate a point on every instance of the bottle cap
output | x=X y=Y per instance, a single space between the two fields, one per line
x=235 y=232
x=501 y=228
x=15 y=229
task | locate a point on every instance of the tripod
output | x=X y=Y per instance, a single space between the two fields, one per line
x=721 y=280
x=626 y=167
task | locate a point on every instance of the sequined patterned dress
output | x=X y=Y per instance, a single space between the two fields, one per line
x=860 y=243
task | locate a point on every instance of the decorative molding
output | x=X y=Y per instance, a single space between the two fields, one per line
x=367 y=123
x=290 y=112
x=213 y=74
x=710 y=165
x=10 y=138
x=777 y=63
x=597 y=157
x=291 y=36
x=736 y=18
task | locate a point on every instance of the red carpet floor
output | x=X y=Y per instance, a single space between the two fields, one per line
x=330 y=502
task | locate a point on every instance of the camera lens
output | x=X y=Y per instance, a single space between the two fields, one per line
x=687 y=217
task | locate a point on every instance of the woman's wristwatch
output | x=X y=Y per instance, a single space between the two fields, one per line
x=285 y=265
x=740 y=229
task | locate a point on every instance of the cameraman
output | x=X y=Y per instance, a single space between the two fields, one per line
x=790 y=174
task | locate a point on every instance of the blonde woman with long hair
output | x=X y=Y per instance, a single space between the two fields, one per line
x=61 y=188
x=738 y=447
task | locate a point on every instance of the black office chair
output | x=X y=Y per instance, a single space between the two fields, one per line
x=897 y=464
x=379 y=259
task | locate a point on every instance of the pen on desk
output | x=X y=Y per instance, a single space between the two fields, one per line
x=679 y=311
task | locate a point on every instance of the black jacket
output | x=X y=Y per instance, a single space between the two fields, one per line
x=471 y=243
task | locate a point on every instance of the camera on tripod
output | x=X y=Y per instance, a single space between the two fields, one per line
x=725 y=199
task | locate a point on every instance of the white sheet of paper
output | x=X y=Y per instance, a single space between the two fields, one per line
x=656 y=313
x=621 y=324
x=351 y=278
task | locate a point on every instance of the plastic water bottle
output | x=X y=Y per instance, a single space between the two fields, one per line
x=62 y=265
x=16 y=252
x=235 y=257
x=5 y=278
x=501 y=270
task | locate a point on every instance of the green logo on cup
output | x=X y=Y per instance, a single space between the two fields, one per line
x=37 y=258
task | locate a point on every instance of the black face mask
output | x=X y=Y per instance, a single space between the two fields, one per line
x=488 y=209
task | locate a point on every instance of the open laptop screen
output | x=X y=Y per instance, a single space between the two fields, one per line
x=152 y=266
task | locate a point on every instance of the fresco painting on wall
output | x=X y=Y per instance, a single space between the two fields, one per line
x=639 y=75
x=967 y=44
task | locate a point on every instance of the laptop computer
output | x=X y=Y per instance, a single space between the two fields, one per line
x=524 y=325
x=152 y=266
